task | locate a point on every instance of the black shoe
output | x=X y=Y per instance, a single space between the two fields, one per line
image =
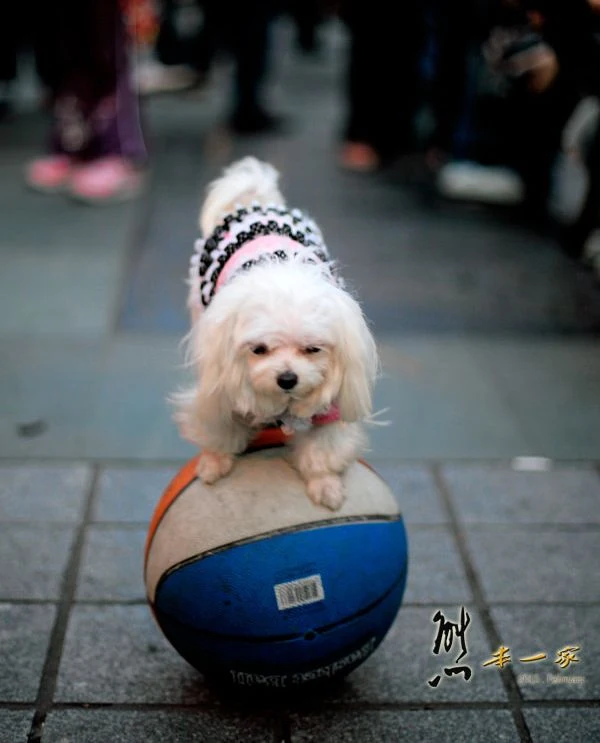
x=307 y=42
x=257 y=121
x=572 y=241
x=5 y=101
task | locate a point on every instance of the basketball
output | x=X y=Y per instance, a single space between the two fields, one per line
x=256 y=586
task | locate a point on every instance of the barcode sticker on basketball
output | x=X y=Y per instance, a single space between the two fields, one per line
x=299 y=592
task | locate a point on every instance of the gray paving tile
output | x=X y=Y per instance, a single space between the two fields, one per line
x=400 y=669
x=563 y=725
x=552 y=386
x=70 y=286
x=76 y=386
x=51 y=381
x=177 y=726
x=130 y=494
x=415 y=490
x=435 y=572
x=527 y=631
x=494 y=494
x=14 y=725
x=61 y=263
x=139 y=425
x=415 y=726
x=33 y=559
x=37 y=492
x=117 y=654
x=440 y=403
x=112 y=564
x=541 y=564
x=99 y=398
x=24 y=633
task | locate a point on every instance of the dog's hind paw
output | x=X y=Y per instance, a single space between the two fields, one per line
x=212 y=466
x=326 y=491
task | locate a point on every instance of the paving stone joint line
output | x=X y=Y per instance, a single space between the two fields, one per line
x=45 y=696
x=508 y=678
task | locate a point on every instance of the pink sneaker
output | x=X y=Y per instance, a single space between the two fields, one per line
x=106 y=180
x=49 y=174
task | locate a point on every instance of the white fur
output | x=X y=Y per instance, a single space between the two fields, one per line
x=245 y=181
x=291 y=308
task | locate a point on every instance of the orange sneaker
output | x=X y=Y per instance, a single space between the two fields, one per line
x=49 y=174
x=360 y=157
x=106 y=180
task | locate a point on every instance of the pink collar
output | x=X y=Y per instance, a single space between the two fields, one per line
x=278 y=436
x=329 y=416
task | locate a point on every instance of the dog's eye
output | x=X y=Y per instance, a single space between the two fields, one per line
x=260 y=349
x=312 y=349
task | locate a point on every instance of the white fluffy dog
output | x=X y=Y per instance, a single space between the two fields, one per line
x=275 y=338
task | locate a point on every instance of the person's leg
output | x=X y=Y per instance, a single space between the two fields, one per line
x=96 y=118
x=383 y=75
x=537 y=123
x=307 y=15
x=249 y=31
x=205 y=45
x=9 y=35
x=589 y=217
x=453 y=30
x=184 y=53
x=168 y=46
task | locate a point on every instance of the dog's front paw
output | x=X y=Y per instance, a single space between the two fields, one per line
x=213 y=465
x=326 y=491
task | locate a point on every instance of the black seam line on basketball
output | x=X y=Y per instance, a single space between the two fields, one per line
x=247 y=540
x=311 y=525
x=509 y=681
x=47 y=686
x=296 y=635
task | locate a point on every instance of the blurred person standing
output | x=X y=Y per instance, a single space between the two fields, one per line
x=96 y=146
x=193 y=32
x=405 y=60
x=183 y=52
x=550 y=51
x=10 y=31
x=244 y=30
x=453 y=29
x=572 y=30
x=307 y=16
x=383 y=85
x=544 y=57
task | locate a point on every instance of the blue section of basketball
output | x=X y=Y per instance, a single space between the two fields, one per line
x=220 y=610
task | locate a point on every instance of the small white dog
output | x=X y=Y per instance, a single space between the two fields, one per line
x=275 y=339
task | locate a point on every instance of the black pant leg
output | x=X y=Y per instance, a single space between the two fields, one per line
x=589 y=217
x=383 y=74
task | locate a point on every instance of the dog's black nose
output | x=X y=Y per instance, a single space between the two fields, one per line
x=287 y=380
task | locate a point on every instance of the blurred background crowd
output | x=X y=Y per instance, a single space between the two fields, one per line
x=488 y=93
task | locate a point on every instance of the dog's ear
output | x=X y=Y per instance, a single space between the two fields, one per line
x=214 y=357
x=357 y=360
x=205 y=410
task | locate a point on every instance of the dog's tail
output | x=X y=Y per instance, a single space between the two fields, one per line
x=242 y=183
